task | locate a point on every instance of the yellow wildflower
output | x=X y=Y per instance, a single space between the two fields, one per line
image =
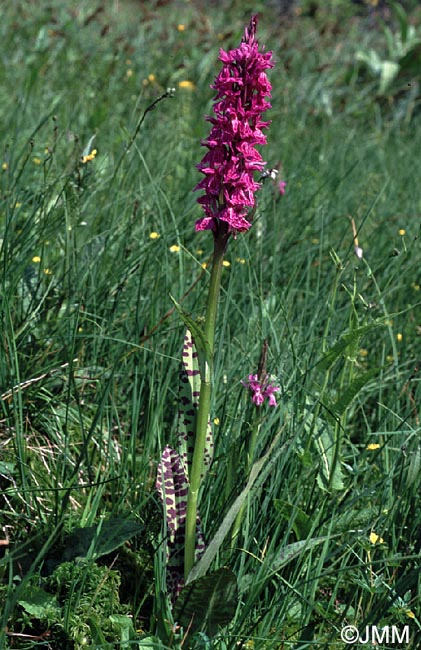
x=36 y=259
x=151 y=78
x=373 y=446
x=216 y=421
x=5 y=166
x=204 y=265
x=129 y=73
x=399 y=337
x=36 y=161
x=402 y=231
x=47 y=271
x=181 y=28
x=410 y=613
x=89 y=157
x=363 y=352
x=186 y=84
x=154 y=235
x=174 y=248
x=226 y=263
x=240 y=260
x=376 y=539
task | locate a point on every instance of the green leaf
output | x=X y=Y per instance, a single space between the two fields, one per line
x=98 y=636
x=7 y=469
x=258 y=474
x=124 y=625
x=40 y=604
x=294 y=550
x=150 y=643
x=202 y=344
x=413 y=475
x=339 y=407
x=101 y=539
x=301 y=523
x=370 y=58
x=354 y=519
x=341 y=347
x=402 y=17
x=388 y=72
x=330 y=475
x=411 y=61
x=208 y=603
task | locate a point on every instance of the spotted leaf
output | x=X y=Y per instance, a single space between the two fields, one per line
x=172 y=485
x=189 y=392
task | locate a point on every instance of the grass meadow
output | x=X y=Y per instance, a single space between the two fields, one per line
x=97 y=232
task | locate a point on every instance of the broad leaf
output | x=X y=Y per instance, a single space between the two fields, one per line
x=39 y=603
x=294 y=550
x=351 y=391
x=301 y=523
x=341 y=347
x=208 y=603
x=325 y=442
x=105 y=537
x=330 y=475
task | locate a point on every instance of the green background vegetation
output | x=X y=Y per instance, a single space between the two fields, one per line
x=90 y=346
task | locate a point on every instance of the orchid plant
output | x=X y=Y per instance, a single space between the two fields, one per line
x=228 y=201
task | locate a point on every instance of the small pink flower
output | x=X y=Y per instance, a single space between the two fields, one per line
x=261 y=389
x=242 y=89
x=281 y=186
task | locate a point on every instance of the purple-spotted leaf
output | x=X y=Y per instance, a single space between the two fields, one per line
x=172 y=485
x=189 y=391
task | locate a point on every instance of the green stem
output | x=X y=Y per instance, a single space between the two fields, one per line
x=251 y=447
x=202 y=420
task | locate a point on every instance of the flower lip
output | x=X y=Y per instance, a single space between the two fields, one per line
x=262 y=389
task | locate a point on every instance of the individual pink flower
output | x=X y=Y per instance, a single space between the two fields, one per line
x=228 y=166
x=281 y=186
x=261 y=389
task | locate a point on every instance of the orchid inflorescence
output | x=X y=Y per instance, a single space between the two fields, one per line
x=242 y=96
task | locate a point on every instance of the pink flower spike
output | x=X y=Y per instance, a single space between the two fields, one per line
x=281 y=186
x=261 y=389
x=242 y=92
